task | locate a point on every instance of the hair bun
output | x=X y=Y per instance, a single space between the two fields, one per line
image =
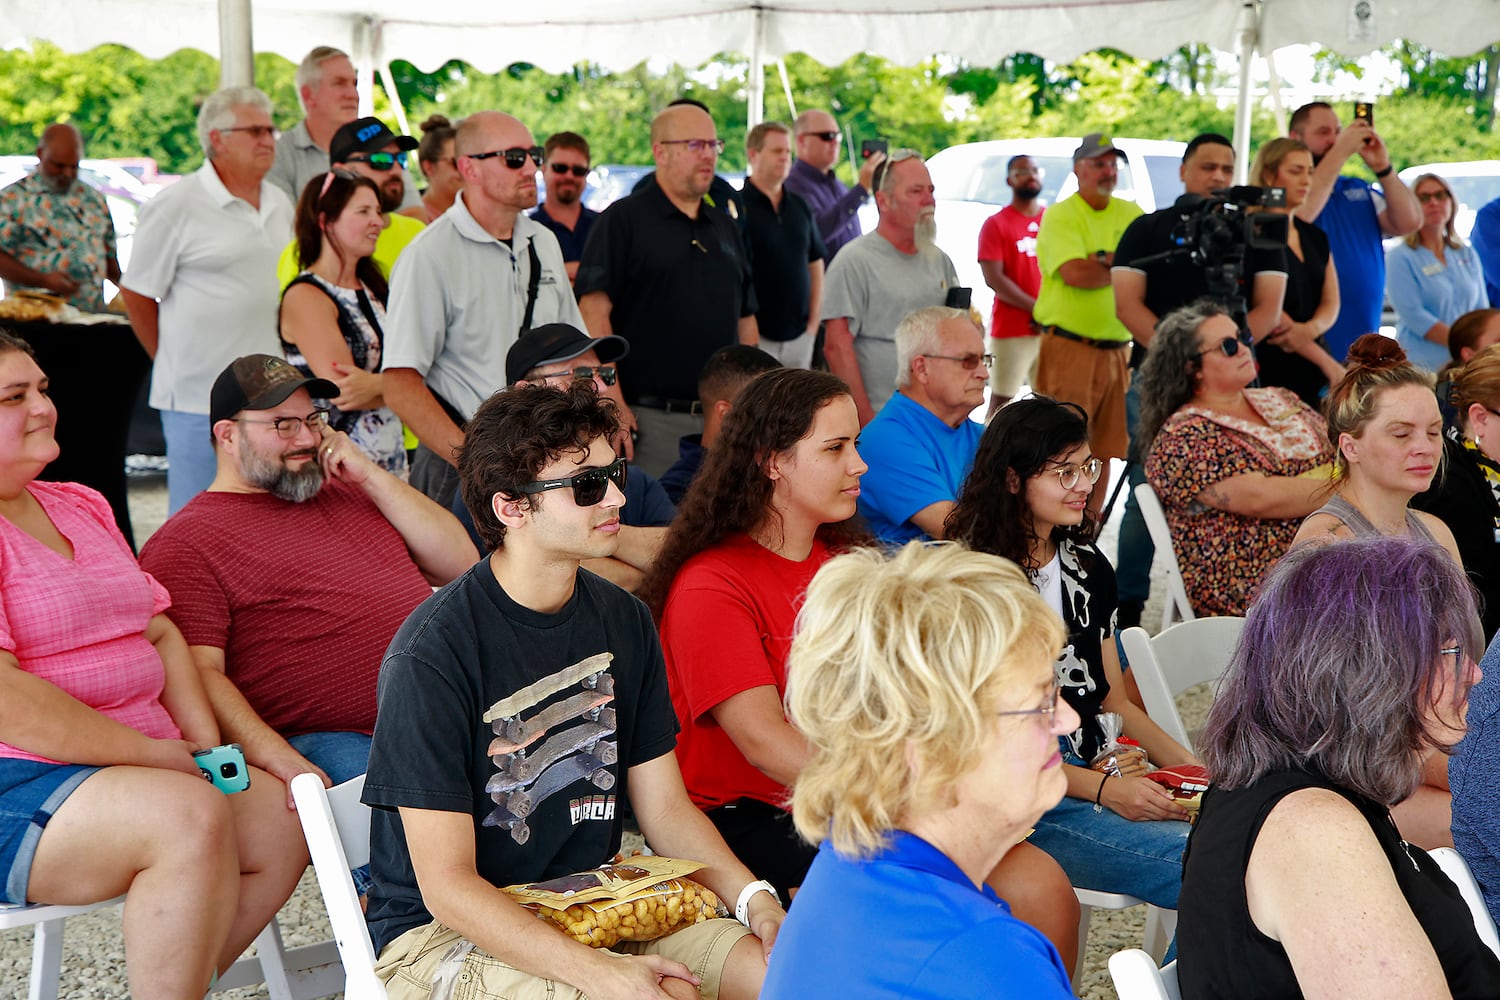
x=1376 y=352
x=435 y=122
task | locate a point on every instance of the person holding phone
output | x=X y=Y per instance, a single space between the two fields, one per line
x=101 y=709
x=835 y=207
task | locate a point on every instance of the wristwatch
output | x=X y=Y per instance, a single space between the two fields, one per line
x=742 y=905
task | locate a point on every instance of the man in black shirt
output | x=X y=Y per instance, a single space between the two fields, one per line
x=516 y=706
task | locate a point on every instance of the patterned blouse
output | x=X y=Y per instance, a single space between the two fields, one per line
x=1223 y=555
x=70 y=232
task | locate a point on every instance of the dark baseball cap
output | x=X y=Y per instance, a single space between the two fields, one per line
x=259 y=382
x=554 y=342
x=365 y=135
x=1096 y=144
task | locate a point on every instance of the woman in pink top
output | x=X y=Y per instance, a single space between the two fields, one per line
x=100 y=711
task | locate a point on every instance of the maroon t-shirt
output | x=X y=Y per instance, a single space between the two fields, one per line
x=302 y=597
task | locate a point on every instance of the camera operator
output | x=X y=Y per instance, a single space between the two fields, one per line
x=1149 y=282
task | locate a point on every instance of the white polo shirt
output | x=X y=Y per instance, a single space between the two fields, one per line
x=458 y=296
x=210 y=258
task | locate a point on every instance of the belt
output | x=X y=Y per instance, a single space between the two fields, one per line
x=670 y=405
x=1103 y=345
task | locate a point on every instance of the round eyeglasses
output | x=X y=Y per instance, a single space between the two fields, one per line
x=1069 y=473
x=290 y=427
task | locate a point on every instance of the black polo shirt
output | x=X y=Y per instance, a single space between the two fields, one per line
x=678 y=288
x=1177 y=281
x=782 y=245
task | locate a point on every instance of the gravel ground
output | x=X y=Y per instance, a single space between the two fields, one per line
x=94 y=955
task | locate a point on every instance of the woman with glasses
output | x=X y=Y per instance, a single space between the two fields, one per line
x=1027 y=500
x=774 y=501
x=1295 y=356
x=101 y=710
x=1432 y=277
x=1231 y=465
x=333 y=313
x=1355 y=665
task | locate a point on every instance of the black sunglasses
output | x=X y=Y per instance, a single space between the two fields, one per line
x=379 y=161
x=589 y=486
x=515 y=156
x=825 y=136
x=1230 y=345
x=570 y=168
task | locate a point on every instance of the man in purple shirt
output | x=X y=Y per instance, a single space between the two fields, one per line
x=833 y=205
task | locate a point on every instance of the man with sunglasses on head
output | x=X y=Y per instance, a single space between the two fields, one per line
x=470 y=283
x=528 y=640
x=565 y=166
x=290 y=574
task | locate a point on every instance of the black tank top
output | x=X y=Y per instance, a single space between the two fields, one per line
x=1223 y=955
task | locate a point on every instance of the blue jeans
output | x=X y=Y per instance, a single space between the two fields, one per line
x=1109 y=853
x=341 y=756
x=1133 y=567
x=191 y=464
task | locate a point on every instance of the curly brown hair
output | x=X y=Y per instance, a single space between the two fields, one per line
x=732 y=492
x=518 y=432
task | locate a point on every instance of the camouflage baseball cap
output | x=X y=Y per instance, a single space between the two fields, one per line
x=259 y=382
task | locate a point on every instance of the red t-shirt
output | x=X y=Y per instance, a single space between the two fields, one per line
x=1010 y=237
x=302 y=597
x=726 y=628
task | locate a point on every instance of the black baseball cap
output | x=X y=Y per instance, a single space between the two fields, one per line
x=554 y=342
x=259 y=382
x=365 y=135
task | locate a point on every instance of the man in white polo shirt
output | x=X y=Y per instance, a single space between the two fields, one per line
x=202 y=285
x=463 y=291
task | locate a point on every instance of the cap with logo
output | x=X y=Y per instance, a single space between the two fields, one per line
x=259 y=382
x=553 y=342
x=1096 y=144
x=365 y=135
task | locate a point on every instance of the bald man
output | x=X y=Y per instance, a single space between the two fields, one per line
x=668 y=272
x=55 y=233
x=835 y=207
x=463 y=291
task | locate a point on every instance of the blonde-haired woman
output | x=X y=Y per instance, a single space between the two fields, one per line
x=924 y=684
x=1432 y=277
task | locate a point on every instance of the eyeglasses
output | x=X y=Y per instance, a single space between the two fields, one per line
x=607 y=374
x=379 y=161
x=1430 y=196
x=589 y=486
x=290 y=427
x=515 y=156
x=256 y=131
x=1048 y=710
x=696 y=145
x=1067 y=475
x=570 y=168
x=968 y=361
x=825 y=136
x=1230 y=345
x=892 y=158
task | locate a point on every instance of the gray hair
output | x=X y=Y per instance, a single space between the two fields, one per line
x=918 y=334
x=310 y=69
x=217 y=112
x=1167 y=376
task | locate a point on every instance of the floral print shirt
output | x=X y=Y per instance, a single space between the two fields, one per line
x=70 y=232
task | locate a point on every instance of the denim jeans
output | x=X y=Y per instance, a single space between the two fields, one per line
x=1109 y=853
x=1133 y=566
x=191 y=464
x=342 y=756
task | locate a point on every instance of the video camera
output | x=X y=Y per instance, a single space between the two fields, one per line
x=1216 y=229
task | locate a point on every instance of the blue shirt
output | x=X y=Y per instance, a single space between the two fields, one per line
x=679 y=476
x=1425 y=291
x=1486 y=239
x=571 y=240
x=915 y=461
x=907 y=924
x=1352 y=221
x=1474 y=774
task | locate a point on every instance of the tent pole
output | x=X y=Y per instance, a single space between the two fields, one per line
x=786 y=88
x=364 y=64
x=388 y=81
x=236 y=50
x=756 y=90
x=1246 y=32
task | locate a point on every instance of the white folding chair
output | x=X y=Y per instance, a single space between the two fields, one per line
x=1175 y=659
x=1456 y=868
x=1177 y=607
x=1160 y=924
x=337 y=827
x=1137 y=977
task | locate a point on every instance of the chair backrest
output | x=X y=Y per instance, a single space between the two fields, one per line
x=1456 y=868
x=1174 y=660
x=1177 y=607
x=337 y=827
x=1137 y=977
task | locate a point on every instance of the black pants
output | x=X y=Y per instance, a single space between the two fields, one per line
x=763 y=838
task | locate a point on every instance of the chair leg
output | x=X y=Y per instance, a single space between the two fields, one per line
x=1161 y=926
x=46 y=959
x=1085 y=911
x=272 y=955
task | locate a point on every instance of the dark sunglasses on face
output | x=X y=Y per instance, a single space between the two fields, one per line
x=1231 y=345
x=570 y=168
x=380 y=161
x=825 y=136
x=607 y=374
x=515 y=156
x=589 y=486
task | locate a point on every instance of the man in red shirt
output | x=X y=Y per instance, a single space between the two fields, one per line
x=1007 y=256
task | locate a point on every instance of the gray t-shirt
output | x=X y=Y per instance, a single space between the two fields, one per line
x=875 y=286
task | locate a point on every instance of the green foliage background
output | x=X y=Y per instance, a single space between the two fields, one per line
x=127 y=105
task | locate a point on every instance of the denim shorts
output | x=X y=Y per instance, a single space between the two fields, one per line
x=30 y=792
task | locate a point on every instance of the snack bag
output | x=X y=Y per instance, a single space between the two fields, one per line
x=1186 y=782
x=641 y=899
x=1118 y=755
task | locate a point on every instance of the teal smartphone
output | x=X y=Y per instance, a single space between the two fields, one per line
x=224 y=766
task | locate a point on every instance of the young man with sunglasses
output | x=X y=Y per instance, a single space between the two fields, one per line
x=290 y=574
x=565 y=165
x=529 y=639
x=466 y=288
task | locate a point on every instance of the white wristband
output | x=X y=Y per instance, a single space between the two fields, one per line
x=742 y=905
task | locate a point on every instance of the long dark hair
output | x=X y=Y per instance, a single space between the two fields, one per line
x=992 y=514
x=328 y=204
x=732 y=492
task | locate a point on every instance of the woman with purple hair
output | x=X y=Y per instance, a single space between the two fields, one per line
x=1355 y=662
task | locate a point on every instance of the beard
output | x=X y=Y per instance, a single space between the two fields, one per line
x=57 y=185
x=565 y=195
x=925 y=231
x=273 y=476
x=392 y=193
x=1027 y=192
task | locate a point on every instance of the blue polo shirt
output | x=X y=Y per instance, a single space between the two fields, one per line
x=1352 y=221
x=915 y=460
x=907 y=924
